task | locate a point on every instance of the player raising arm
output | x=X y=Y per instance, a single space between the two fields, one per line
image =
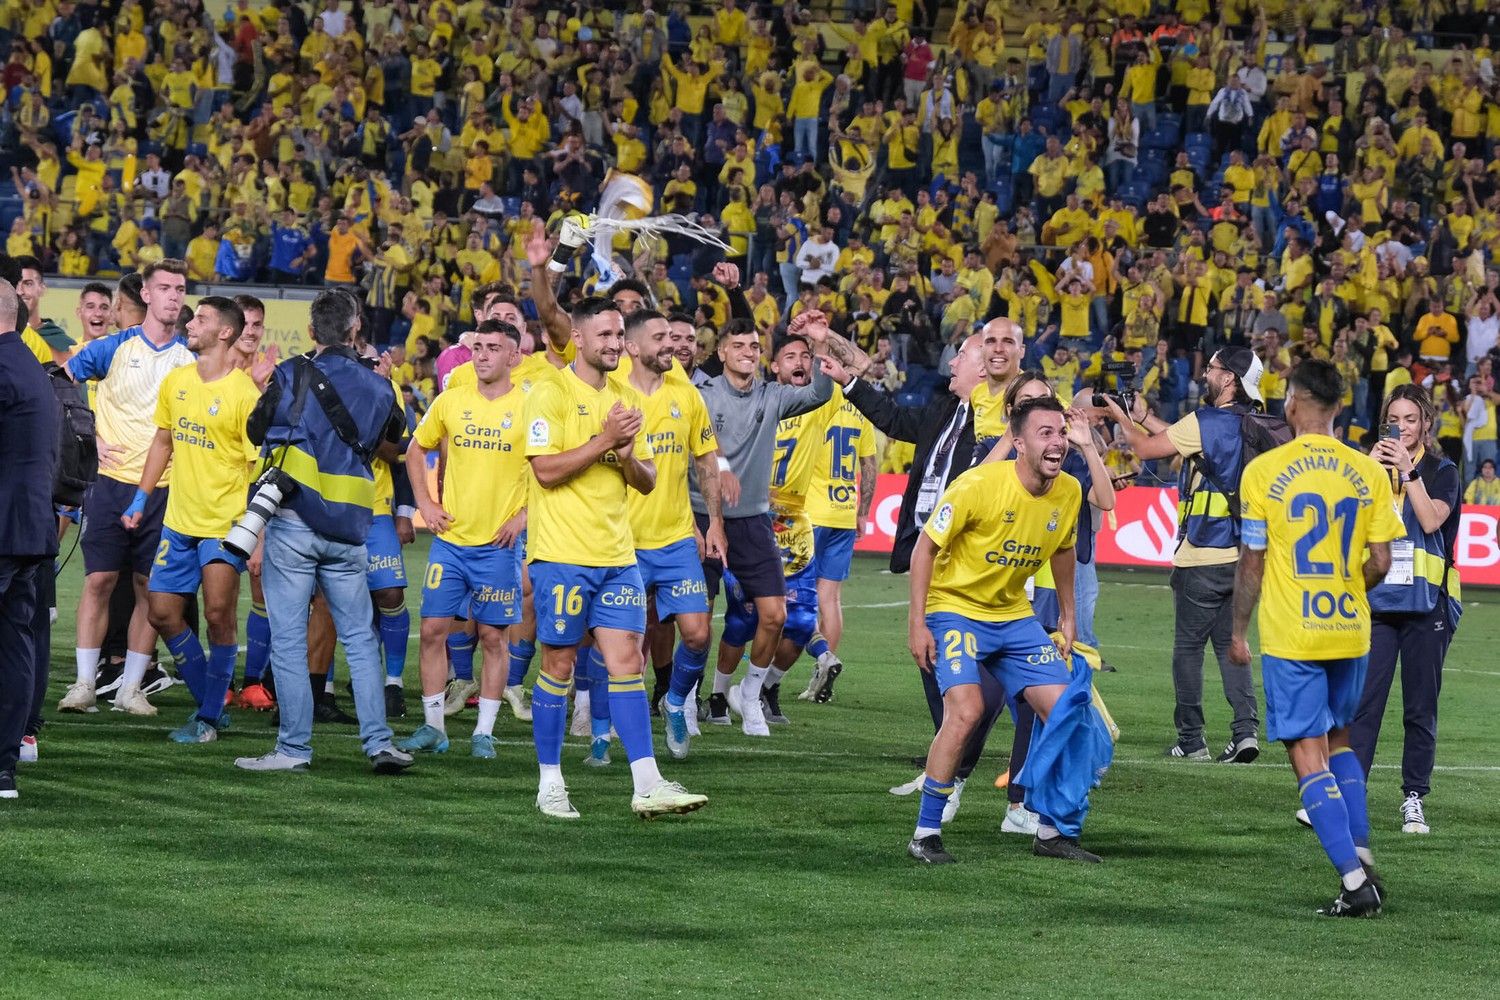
x=1313 y=508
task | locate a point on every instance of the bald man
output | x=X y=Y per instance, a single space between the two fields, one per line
x=1002 y=346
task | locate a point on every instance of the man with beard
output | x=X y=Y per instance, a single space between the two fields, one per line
x=1003 y=347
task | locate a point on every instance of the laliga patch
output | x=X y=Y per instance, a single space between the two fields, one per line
x=540 y=435
x=943 y=517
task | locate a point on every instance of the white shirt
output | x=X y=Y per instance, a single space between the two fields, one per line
x=157 y=181
x=816 y=260
x=1254 y=80
x=1483 y=335
x=333 y=21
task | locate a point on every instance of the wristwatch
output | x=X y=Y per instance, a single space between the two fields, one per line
x=1413 y=475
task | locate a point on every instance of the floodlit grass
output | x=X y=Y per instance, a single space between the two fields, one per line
x=135 y=867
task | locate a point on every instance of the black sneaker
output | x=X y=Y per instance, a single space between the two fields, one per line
x=718 y=709
x=156 y=679
x=111 y=672
x=390 y=761
x=395 y=702
x=1240 y=750
x=770 y=700
x=1361 y=902
x=929 y=851
x=326 y=709
x=1107 y=668
x=8 y=785
x=1376 y=881
x=1196 y=750
x=825 y=692
x=1063 y=848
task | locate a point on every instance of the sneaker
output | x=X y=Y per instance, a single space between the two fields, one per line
x=770 y=704
x=1302 y=818
x=111 y=673
x=582 y=725
x=132 y=701
x=1413 y=819
x=458 y=693
x=1196 y=750
x=950 y=808
x=156 y=681
x=694 y=711
x=718 y=710
x=81 y=697
x=667 y=797
x=326 y=709
x=1018 y=819
x=736 y=702
x=389 y=760
x=27 y=753
x=273 y=761
x=552 y=800
x=911 y=787
x=482 y=745
x=598 y=752
x=1240 y=751
x=520 y=706
x=255 y=697
x=395 y=701
x=752 y=716
x=1063 y=848
x=1376 y=881
x=1362 y=902
x=427 y=739
x=929 y=851
x=195 y=730
x=820 y=685
x=8 y=785
x=677 y=730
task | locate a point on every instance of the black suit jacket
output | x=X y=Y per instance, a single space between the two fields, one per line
x=30 y=425
x=922 y=426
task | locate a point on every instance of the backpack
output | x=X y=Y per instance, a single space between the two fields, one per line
x=78 y=458
x=1259 y=433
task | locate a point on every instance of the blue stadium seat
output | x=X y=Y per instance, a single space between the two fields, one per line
x=909 y=398
x=1197 y=140
x=1005 y=195
x=1158 y=139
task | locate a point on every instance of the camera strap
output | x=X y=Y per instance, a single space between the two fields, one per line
x=308 y=377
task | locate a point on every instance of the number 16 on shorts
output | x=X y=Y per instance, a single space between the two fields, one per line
x=571 y=600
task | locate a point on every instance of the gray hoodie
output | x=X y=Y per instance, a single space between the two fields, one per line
x=745 y=424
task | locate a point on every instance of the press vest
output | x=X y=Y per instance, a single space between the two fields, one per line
x=1204 y=512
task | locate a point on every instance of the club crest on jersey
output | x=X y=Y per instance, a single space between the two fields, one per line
x=943 y=517
x=540 y=434
x=213 y=410
x=505 y=424
x=1052 y=521
x=1009 y=517
x=560 y=626
x=676 y=413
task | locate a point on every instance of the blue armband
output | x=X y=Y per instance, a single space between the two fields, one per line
x=138 y=504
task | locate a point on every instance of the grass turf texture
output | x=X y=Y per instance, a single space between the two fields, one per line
x=137 y=867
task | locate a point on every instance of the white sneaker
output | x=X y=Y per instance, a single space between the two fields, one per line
x=515 y=696
x=581 y=724
x=1019 y=819
x=911 y=787
x=667 y=797
x=458 y=695
x=736 y=703
x=132 y=702
x=753 y=717
x=950 y=809
x=552 y=800
x=1413 y=819
x=80 y=698
x=273 y=761
x=28 y=750
x=1302 y=818
x=693 y=709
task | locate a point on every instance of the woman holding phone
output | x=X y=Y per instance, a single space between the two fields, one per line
x=1415 y=609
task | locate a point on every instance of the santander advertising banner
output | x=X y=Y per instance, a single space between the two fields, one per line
x=1143 y=531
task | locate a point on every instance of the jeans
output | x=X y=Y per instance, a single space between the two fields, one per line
x=1482 y=450
x=1086 y=594
x=1421 y=641
x=1118 y=173
x=805 y=133
x=298 y=561
x=791 y=276
x=1146 y=115
x=1204 y=599
x=994 y=155
x=1264 y=224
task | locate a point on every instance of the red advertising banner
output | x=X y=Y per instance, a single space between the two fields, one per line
x=1142 y=531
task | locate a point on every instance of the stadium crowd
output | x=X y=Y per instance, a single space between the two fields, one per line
x=1170 y=205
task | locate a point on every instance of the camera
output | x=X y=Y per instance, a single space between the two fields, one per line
x=1123 y=374
x=271 y=491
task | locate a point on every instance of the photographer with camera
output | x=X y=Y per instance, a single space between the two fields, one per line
x=1213 y=444
x=320 y=423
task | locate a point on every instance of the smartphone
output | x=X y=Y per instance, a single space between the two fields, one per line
x=1393 y=432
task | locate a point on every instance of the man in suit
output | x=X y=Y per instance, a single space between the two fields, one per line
x=28 y=526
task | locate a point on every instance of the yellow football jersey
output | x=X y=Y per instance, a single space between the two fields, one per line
x=678 y=429
x=1313 y=505
x=380 y=470
x=584 y=521
x=992 y=536
x=989 y=412
x=848 y=437
x=211 y=453
x=797 y=449
x=486 y=474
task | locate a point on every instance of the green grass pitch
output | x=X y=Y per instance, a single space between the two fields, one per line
x=134 y=867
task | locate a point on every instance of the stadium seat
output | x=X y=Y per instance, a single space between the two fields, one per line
x=1005 y=195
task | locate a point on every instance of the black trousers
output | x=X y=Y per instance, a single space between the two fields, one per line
x=46 y=599
x=17 y=651
x=994 y=706
x=1421 y=643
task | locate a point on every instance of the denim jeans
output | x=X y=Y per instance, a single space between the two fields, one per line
x=1145 y=114
x=297 y=561
x=805 y=134
x=995 y=155
x=791 y=276
x=1086 y=593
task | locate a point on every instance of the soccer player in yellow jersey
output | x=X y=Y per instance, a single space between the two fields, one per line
x=676 y=425
x=838 y=505
x=474 y=566
x=1004 y=347
x=993 y=528
x=201 y=413
x=584 y=442
x=1319 y=518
